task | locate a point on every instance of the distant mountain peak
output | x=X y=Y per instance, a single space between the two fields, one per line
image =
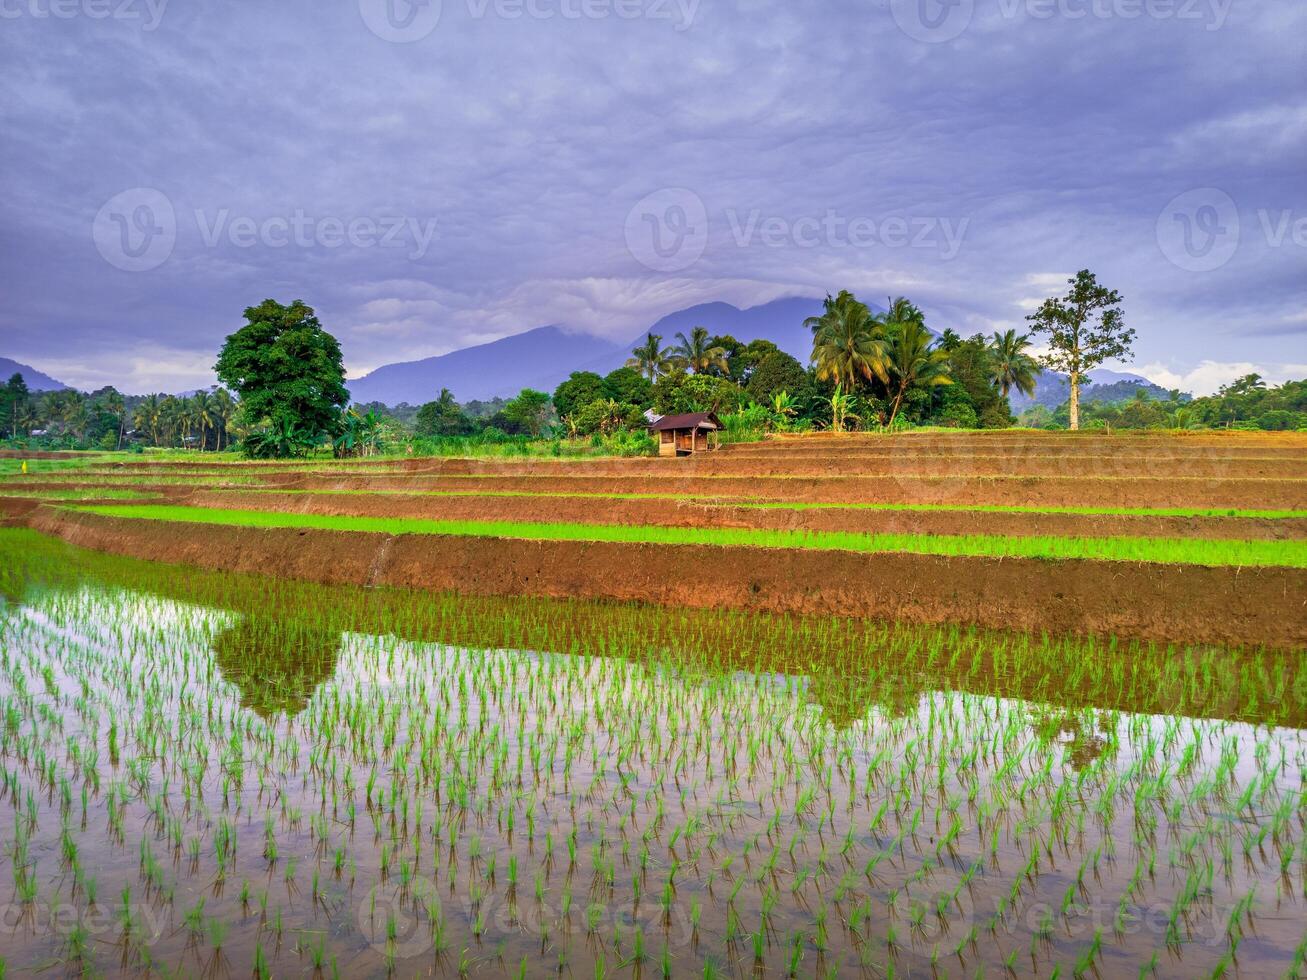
x=543 y=357
x=36 y=380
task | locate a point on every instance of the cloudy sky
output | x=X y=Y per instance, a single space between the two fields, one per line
x=443 y=173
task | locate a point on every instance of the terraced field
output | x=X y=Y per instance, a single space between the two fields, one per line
x=1000 y=705
x=1179 y=537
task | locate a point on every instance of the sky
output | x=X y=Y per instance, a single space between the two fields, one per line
x=429 y=175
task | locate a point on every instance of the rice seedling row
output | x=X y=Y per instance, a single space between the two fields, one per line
x=1291 y=554
x=230 y=774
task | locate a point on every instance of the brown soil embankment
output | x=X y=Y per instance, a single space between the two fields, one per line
x=1119 y=439
x=686 y=513
x=1034 y=462
x=1180 y=603
x=1062 y=491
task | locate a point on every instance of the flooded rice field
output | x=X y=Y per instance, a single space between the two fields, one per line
x=203 y=773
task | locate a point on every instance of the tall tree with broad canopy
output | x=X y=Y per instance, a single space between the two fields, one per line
x=579 y=390
x=1084 y=328
x=287 y=370
x=528 y=412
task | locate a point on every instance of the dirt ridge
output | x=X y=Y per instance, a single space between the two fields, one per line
x=1173 y=603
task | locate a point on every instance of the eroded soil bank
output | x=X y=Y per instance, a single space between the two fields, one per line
x=688 y=513
x=1249 y=606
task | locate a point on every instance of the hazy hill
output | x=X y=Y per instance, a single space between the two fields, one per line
x=545 y=356
x=539 y=359
x=1052 y=389
x=36 y=381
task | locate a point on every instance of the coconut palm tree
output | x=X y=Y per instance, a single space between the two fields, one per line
x=902 y=310
x=1011 y=366
x=224 y=411
x=172 y=418
x=26 y=417
x=148 y=417
x=848 y=342
x=116 y=406
x=651 y=358
x=695 y=354
x=72 y=415
x=202 y=410
x=913 y=360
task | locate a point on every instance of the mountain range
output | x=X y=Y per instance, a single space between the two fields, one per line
x=543 y=357
x=1052 y=389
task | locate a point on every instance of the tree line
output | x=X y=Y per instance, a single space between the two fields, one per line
x=107 y=419
x=283 y=388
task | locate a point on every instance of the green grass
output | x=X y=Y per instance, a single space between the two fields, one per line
x=815 y=505
x=109 y=493
x=13 y=466
x=1032 y=509
x=1170 y=550
x=544 y=494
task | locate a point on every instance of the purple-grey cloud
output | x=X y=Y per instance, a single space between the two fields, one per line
x=481 y=174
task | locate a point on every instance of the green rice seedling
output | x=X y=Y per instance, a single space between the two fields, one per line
x=845 y=788
x=1292 y=554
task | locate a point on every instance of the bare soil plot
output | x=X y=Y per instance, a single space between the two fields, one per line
x=1249 y=606
x=698 y=513
x=1189 y=602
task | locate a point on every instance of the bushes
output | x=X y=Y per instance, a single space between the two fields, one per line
x=678 y=392
x=775 y=373
x=607 y=417
x=957 y=415
x=747 y=425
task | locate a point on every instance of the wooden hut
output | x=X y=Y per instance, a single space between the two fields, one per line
x=683 y=435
